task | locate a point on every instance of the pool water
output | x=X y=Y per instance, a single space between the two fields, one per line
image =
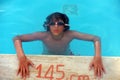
x=97 y=17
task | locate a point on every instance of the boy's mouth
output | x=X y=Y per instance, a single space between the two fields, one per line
x=56 y=31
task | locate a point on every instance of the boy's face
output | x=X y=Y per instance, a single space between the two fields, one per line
x=56 y=28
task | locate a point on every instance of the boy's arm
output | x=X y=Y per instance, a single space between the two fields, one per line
x=18 y=47
x=23 y=38
x=88 y=37
x=97 y=60
x=84 y=36
x=30 y=37
x=97 y=63
x=24 y=63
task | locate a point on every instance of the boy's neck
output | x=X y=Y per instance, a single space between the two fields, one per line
x=57 y=37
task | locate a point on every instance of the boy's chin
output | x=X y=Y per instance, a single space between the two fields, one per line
x=56 y=34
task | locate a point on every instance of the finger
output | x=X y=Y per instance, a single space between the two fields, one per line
x=90 y=66
x=18 y=71
x=21 y=72
x=24 y=73
x=24 y=78
x=95 y=72
x=103 y=69
x=99 y=73
x=31 y=63
x=27 y=70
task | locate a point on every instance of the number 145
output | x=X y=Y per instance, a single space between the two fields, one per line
x=50 y=71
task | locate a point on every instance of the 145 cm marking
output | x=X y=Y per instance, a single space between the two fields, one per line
x=50 y=72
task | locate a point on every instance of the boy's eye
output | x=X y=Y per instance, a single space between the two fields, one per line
x=57 y=23
x=52 y=24
x=60 y=23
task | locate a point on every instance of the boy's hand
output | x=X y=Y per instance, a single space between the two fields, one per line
x=23 y=69
x=98 y=67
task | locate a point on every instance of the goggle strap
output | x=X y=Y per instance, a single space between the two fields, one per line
x=66 y=24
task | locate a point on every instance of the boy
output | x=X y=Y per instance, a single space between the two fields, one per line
x=56 y=41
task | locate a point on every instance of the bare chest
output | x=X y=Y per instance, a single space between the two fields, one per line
x=51 y=44
x=57 y=44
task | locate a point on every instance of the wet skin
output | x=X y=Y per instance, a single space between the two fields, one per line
x=56 y=42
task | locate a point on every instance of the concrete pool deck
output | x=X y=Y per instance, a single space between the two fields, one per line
x=58 y=67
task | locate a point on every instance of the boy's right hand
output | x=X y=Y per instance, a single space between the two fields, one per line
x=23 y=69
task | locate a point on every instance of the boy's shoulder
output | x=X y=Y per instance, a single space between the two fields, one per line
x=72 y=32
x=41 y=34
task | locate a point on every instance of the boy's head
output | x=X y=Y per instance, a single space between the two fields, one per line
x=60 y=18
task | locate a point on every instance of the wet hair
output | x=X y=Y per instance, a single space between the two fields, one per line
x=57 y=16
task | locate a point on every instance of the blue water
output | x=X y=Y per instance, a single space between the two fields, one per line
x=98 y=17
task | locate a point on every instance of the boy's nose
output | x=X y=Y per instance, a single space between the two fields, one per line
x=56 y=25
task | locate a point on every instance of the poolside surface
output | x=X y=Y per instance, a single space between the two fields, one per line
x=58 y=67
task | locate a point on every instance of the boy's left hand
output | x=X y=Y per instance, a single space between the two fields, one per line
x=98 y=67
